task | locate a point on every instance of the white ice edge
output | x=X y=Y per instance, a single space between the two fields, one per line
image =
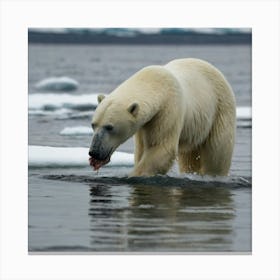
x=244 y=112
x=57 y=83
x=76 y=130
x=45 y=156
x=38 y=101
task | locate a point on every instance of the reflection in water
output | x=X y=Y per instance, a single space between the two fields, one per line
x=145 y=218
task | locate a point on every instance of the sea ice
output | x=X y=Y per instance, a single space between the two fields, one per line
x=244 y=113
x=45 y=156
x=44 y=101
x=57 y=84
x=76 y=130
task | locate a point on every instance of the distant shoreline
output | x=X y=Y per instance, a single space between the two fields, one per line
x=35 y=37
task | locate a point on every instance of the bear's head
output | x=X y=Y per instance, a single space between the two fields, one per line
x=113 y=123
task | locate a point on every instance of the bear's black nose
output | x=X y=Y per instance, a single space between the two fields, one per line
x=95 y=154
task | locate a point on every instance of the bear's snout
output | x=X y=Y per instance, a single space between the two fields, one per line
x=98 y=150
x=96 y=155
x=91 y=154
x=99 y=154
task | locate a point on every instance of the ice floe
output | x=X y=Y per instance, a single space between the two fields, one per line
x=45 y=156
x=244 y=112
x=57 y=84
x=76 y=130
x=53 y=101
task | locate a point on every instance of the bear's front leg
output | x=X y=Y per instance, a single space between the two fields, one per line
x=155 y=160
x=139 y=147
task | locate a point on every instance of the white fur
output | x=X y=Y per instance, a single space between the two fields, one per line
x=186 y=110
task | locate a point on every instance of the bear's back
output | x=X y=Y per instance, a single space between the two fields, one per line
x=193 y=72
x=206 y=91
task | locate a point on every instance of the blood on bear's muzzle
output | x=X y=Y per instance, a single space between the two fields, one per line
x=99 y=155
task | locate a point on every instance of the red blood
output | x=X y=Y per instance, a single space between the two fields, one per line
x=96 y=164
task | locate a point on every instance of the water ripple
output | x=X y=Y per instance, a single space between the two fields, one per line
x=164 y=181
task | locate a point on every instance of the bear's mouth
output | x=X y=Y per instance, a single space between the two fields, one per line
x=97 y=163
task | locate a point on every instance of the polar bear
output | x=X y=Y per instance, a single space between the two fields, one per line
x=184 y=110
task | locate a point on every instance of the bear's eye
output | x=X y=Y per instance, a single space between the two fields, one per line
x=108 y=127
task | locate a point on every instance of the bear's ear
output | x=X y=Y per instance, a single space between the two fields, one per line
x=100 y=97
x=133 y=109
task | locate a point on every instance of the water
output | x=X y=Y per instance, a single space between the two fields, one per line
x=74 y=209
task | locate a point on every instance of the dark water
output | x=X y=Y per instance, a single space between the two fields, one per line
x=163 y=214
x=78 y=210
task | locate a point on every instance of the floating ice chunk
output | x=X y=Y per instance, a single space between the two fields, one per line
x=244 y=113
x=39 y=112
x=44 y=156
x=52 y=101
x=76 y=130
x=57 y=84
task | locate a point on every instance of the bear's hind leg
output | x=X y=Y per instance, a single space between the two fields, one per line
x=216 y=152
x=189 y=162
x=216 y=159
